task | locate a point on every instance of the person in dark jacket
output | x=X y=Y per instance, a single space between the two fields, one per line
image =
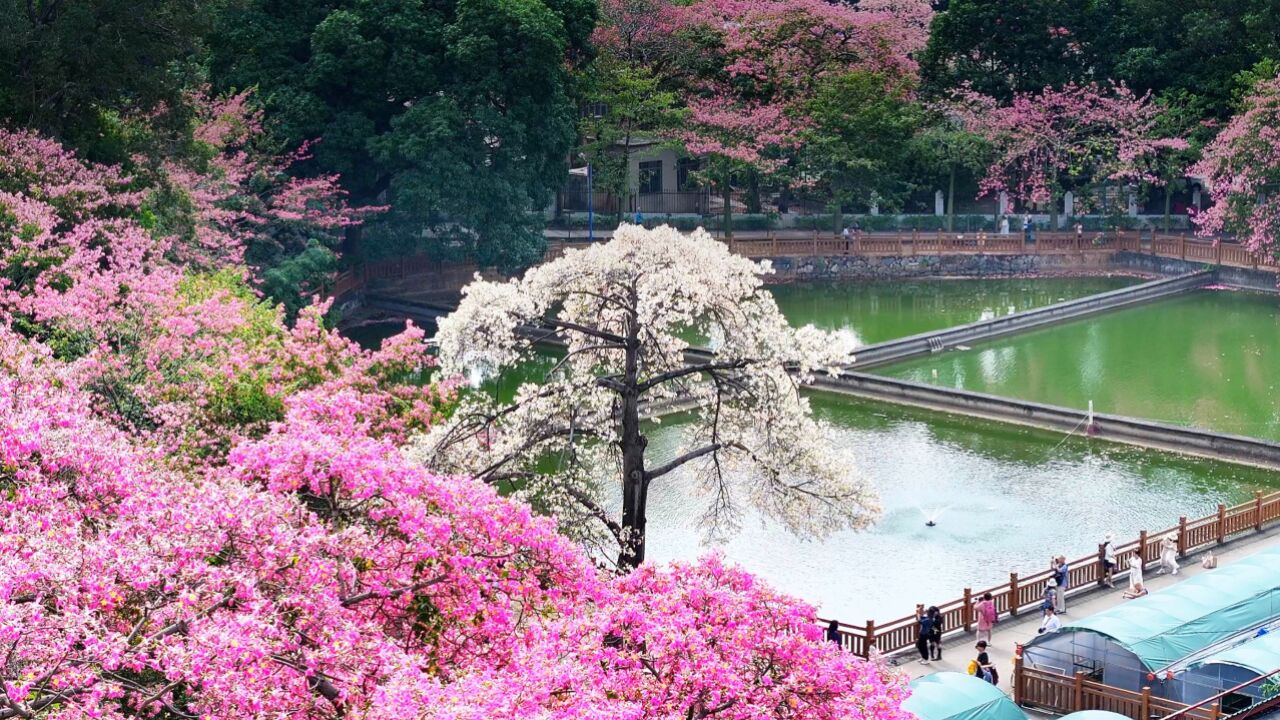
x=924 y=631
x=935 y=632
x=833 y=632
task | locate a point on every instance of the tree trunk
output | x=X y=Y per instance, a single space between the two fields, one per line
x=727 y=191
x=951 y=200
x=1168 y=199
x=626 y=180
x=1053 y=211
x=837 y=217
x=635 y=480
x=753 y=192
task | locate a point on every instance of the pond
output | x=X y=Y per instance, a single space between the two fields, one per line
x=879 y=311
x=1208 y=359
x=1004 y=498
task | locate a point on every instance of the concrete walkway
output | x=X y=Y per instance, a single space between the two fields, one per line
x=958 y=650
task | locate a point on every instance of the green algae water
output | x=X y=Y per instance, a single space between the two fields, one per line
x=1004 y=498
x=1208 y=359
x=879 y=311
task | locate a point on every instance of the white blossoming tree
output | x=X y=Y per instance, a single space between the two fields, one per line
x=622 y=310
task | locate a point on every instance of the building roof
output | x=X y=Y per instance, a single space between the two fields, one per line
x=957 y=696
x=1164 y=627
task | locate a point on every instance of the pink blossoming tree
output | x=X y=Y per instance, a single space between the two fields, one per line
x=1241 y=168
x=1079 y=136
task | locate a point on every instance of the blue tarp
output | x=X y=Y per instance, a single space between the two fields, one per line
x=957 y=696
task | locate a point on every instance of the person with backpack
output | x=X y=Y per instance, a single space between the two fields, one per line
x=1050 y=600
x=935 y=632
x=986 y=616
x=924 y=631
x=982 y=665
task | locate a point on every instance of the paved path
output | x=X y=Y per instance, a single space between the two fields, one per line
x=958 y=651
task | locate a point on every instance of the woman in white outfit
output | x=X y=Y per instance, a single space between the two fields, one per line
x=1169 y=554
x=1135 y=570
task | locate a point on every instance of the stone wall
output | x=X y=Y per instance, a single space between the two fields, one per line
x=841 y=267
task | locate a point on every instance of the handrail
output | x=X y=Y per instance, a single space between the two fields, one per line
x=1223 y=694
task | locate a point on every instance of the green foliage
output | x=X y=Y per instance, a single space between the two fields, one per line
x=458 y=113
x=857 y=144
x=70 y=68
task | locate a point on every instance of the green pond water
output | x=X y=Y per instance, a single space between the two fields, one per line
x=879 y=311
x=1208 y=359
x=1004 y=498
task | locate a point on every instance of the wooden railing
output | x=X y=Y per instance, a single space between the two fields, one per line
x=1024 y=592
x=1067 y=694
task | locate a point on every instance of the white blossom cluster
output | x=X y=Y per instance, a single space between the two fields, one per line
x=624 y=310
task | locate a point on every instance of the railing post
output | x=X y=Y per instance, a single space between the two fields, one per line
x=1257 y=510
x=815 y=242
x=1218 y=251
x=1077 y=692
x=1013 y=594
x=773 y=244
x=1144 y=710
x=1142 y=548
x=1222 y=523
x=968 y=609
x=1182 y=247
x=1182 y=536
x=1215 y=712
x=870 y=640
x=1017 y=680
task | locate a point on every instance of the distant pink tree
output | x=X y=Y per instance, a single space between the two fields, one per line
x=767 y=60
x=72 y=254
x=1083 y=134
x=1241 y=168
x=240 y=189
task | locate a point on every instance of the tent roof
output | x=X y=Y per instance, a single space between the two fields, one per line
x=957 y=696
x=1163 y=627
x=1094 y=715
x=1261 y=654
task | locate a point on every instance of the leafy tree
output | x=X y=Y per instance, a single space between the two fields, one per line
x=1003 y=47
x=457 y=113
x=944 y=147
x=67 y=68
x=856 y=145
x=623 y=309
x=633 y=106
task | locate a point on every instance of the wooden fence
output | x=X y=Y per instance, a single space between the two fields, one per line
x=452 y=275
x=1067 y=694
x=1026 y=592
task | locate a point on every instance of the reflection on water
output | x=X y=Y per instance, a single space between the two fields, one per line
x=1012 y=497
x=879 y=311
x=1208 y=359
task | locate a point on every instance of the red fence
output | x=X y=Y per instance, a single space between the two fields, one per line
x=1026 y=592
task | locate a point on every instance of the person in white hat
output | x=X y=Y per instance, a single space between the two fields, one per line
x=1108 y=560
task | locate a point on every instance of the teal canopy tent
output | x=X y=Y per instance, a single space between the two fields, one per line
x=1120 y=646
x=1244 y=664
x=957 y=696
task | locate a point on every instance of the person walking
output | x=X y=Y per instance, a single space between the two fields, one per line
x=935 y=632
x=1108 y=561
x=1169 y=554
x=1135 y=570
x=985 y=615
x=833 y=633
x=1064 y=580
x=924 y=631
